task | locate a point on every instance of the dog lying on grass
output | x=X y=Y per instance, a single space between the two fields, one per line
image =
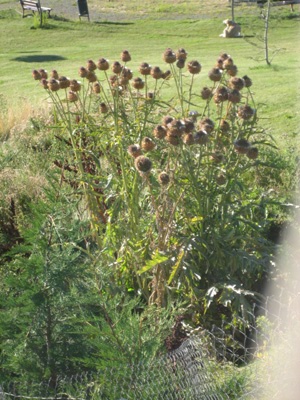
x=232 y=29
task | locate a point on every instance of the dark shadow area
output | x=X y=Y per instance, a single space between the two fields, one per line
x=38 y=58
x=58 y=18
x=113 y=23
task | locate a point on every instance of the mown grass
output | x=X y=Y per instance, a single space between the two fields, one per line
x=65 y=45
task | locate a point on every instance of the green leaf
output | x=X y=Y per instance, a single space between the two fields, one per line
x=157 y=259
x=176 y=267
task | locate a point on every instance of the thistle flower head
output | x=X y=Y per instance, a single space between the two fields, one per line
x=245 y=112
x=169 y=56
x=234 y=96
x=64 y=82
x=36 y=75
x=206 y=93
x=125 y=56
x=236 y=83
x=163 y=178
x=103 y=108
x=43 y=73
x=247 y=81
x=201 y=137
x=96 y=87
x=138 y=83
x=116 y=67
x=54 y=74
x=83 y=72
x=143 y=164
x=221 y=94
x=72 y=96
x=215 y=74
x=194 y=67
x=53 y=85
x=145 y=68
x=91 y=66
x=147 y=144
x=156 y=72
x=181 y=54
x=159 y=132
x=241 y=146
x=75 y=86
x=252 y=153
x=134 y=150
x=103 y=64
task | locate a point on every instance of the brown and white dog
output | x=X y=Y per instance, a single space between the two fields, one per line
x=232 y=29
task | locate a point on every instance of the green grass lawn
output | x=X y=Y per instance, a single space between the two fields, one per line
x=66 y=45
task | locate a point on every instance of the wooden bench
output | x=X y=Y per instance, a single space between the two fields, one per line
x=33 y=7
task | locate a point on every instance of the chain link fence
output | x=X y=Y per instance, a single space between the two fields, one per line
x=244 y=360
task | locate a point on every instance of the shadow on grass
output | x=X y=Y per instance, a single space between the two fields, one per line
x=38 y=58
x=112 y=23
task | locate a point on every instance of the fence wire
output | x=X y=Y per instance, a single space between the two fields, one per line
x=232 y=361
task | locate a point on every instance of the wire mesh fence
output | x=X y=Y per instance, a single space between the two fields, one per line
x=233 y=361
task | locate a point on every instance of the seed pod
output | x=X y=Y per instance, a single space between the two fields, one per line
x=241 y=146
x=163 y=178
x=194 y=67
x=227 y=62
x=103 y=64
x=145 y=68
x=188 y=125
x=44 y=83
x=201 y=137
x=116 y=67
x=150 y=95
x=245 y=112
x=103 y=108
x=181 y=54
x=91 y=66
x=75 y=86
x=166 y=75
x=221 y=94
x=147 y=144
x=206 y=93
x=96 y=87
x=215 y=74
x=114 y=80
x=138 y=83
x=156 y=72
x=83 y=72
x=234 y=96
x=188 y=139
x=175 y=127
x=36 y=75
x=252 y=153
x=125 y=56
x=134 y=150
x=64 y=82
x=224 y=56
x=207 y=125
x=224 y=126
x=167 y=119
x=180 y=63
x=54 y=74
x=173 y=140
x=221 y=179
x=53 y=85
x=72 y=96
x=143 y=164
x=91 y=77
x=159 y=132
x=219 y=63
x=247 y=81
x=169 y=56
x=236 y=83
x=232 y=70
x=43 y=73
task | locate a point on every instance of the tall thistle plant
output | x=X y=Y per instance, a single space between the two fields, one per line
x=165 y=160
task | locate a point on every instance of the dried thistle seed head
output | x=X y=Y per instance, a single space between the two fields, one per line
x=125 y=56
x=245 y=112
x=194 y=67
x=201 y=137
x=241 y=146
x=103 y=64
x=145 y=68
x=72 y=96
x=138 y=83
x=173 y=140
x=53 y=85
x=103 y=108
x=188 y=139
x=193 y=115
x=181 y=54
x=247 y=81
x=175 y=128
x=234 y=96
x=159 y=132
x=224 y=126
x=126 y=73
x=156 y=72
x=219 y=63
x=164 y=178
x=114 y=80
x=169 y=56
x=188 y=125
x=224 y=56
x=217 y=157
x=64 y=82
x=75 y=86
x=43 y=73
x=96 y=87
x=91 y=77
x=147 y=144
x=116 y=67
x=44 y=83
x=221 y=179
x=166 y=75
x=91 y=66
x=83 y=72
x=215 y=74
x=134 y=150
x=167 y=119
x=227 y=62
x=232 y=70
x=36 y=75
x=221 y=94
x=252 y=153
x=143 y=164
x=206 y=93
x=150 y=95
x=236 y=83
x=123 y=81
x=54 y=74
x=180 y=63
x=206 y=124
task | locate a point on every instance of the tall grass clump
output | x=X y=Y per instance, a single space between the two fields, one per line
x=165 y=162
